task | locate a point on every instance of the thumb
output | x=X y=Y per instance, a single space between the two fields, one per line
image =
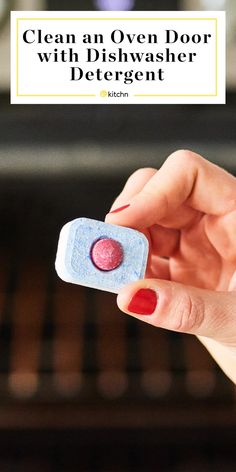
x=181 y=308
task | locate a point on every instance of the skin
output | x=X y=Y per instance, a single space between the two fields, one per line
x=187 y=209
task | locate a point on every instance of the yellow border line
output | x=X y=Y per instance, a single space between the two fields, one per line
x=17 y=57
x=175 y=95
x=17 y=70
x=216 y=59
x=55 y=95
x=193 y=95
x=142 y=19
x=94 y=95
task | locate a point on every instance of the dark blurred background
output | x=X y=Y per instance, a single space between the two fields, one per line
x=82 y=387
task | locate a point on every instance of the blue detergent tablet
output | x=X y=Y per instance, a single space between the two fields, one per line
x=100 y=255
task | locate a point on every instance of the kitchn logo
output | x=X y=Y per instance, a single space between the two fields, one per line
x=112 y=94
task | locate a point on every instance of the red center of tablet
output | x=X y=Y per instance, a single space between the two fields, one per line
x=107 y=254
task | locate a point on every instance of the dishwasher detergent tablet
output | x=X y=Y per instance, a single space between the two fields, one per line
x=100 y=255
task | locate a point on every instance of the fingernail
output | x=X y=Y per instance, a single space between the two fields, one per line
x=143 y=302
x=120 y=209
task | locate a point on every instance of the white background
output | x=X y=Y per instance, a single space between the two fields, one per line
x=193 y=81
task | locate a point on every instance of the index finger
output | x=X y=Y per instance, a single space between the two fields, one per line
x=184 y=179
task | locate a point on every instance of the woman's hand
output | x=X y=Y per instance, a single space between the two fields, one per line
x=187 y=209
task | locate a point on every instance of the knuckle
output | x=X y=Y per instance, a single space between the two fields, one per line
x=143 y=171
x=190 y=313
x=183 y=157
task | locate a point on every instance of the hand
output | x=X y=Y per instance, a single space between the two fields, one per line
x=187 y=209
